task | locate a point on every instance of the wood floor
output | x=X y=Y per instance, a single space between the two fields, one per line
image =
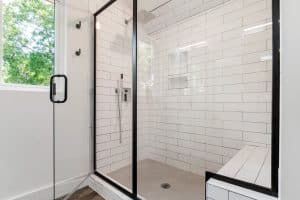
x=84 y=194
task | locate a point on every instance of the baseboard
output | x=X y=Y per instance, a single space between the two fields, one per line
x=46 y=192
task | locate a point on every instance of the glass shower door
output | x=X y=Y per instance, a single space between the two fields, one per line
x=70 y=94
x=113 y=91
x=26 y=112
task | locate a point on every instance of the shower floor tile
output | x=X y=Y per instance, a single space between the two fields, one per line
x=151 y=174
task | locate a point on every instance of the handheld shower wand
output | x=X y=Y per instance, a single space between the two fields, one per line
x=119 y=92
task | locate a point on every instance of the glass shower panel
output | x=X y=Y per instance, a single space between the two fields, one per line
x=114 y=93
x=204 y=94
x=26 y=64
x=70 y=93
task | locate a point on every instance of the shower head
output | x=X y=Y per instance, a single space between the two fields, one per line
x=143 y=17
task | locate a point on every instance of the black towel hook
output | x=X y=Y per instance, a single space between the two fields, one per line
x=78 y=25
x=78 y=52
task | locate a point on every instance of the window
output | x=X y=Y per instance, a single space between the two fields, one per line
x=28 y=41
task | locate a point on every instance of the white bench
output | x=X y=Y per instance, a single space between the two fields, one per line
x=251 y=164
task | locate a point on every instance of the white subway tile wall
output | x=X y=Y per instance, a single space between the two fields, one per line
x=226 y=103
x=220 y=100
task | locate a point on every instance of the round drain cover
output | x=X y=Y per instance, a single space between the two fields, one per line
x=165 y=185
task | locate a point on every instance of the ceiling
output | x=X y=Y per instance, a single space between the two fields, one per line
x=168 y=12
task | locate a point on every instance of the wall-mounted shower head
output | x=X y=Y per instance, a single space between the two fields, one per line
x=143 y=17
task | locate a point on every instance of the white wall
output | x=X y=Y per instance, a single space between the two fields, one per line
x=25 y=142
x=290 y=109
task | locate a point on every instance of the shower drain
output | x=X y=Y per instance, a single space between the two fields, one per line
x=165 y=185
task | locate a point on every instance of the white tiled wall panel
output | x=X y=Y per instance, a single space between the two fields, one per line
x=204 y=84
x=234 y=196
x=226 y=102
x=218 y=190
x=217 y=193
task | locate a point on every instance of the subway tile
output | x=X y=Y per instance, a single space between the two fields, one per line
x=215 y=192
x=257 y=97
x=231 y=143
x=255 y=127
x=257 y=117
x=224 y=115
x=257 y=77
x=255 y=87
x=246 y=107
x=257 y=137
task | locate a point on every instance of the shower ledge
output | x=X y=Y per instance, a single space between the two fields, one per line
x=251 y=164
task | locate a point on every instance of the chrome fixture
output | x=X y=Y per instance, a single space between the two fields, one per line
x=119 y=92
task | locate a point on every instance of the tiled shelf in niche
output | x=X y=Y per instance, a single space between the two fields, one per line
x=178 y=63
x=179 y=82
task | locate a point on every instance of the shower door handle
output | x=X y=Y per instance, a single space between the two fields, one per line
x=56 y=89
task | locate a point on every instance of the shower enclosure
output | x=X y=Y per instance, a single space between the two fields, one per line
x=202 y=87
x=183 y=91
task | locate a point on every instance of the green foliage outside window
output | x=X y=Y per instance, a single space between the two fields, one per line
x=28 y=41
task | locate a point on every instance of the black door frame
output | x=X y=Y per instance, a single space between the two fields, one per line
x=132 y=194
x=275 y=110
